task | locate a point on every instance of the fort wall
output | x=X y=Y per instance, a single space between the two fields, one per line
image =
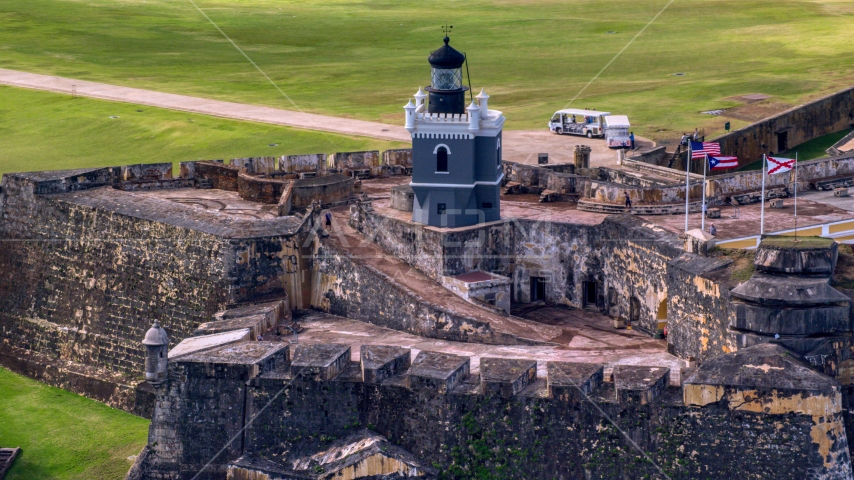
x=261 y=190
x=344 y=286
x=638 y=272
x=828 y=114
x=109 y=274
x=573 y=421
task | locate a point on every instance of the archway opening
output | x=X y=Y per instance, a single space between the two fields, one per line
x=661 y=317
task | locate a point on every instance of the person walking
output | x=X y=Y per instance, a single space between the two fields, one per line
x=696 y=136
x=684 y=140
x=628 y=200
x=328 y=220
x=632 y=139
x=713 y=230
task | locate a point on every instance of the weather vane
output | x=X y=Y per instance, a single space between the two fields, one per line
x=446 y=29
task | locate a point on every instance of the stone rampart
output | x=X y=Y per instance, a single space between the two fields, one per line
x=640 y=273
x=654 y=156
x=146 y=172
x=221 y=176
x=505 y=418
x=788 y=129
x=344 y=286
x=315 y=162
x=350 y=162
x=401 y=157
x=261 y=190
x=327 y=190
x=114 y=265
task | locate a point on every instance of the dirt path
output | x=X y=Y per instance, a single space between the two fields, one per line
x=205 y=106
x=519 y=145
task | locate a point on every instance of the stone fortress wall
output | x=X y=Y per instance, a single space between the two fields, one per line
x=640 y=272
x=86 y=268
x=602 y=189
x=828 y=114
x=118 y=262
x=507 y=418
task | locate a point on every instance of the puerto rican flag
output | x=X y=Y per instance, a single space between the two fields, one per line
x=701 y=149
x=780 y=165
x=722 y=163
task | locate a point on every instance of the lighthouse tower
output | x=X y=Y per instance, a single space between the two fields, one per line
x=456 y=150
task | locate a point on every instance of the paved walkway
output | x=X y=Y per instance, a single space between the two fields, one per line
x=205 y=106
x=588 y=340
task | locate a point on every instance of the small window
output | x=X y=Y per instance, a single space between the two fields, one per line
x=486 y=205
x=442 y=159
x=556 y=118
x=440 y=208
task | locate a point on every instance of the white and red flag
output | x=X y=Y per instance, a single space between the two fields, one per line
x=780 y=165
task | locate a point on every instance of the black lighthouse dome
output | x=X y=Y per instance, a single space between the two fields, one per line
x=446 y=57
x=447 y=93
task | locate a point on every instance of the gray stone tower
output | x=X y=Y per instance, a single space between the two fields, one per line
x=789 y=299
x=456 y=151
x=157 y=354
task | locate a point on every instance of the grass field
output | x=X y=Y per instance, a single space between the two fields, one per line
x=47 y=131
x=63 y=435
x=364 y=58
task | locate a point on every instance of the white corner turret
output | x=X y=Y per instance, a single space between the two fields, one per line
x=483 y=101
x=419 y=97
x=474 y=117
x=157 y=354
x=410 y=116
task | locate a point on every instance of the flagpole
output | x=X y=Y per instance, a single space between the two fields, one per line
x=703 y=208
x=762 y=215
x=687 y=181
x=796 y=194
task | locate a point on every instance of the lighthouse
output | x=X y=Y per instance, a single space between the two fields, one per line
x=456 y=149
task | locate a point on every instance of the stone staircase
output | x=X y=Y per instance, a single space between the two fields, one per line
x=659 y=209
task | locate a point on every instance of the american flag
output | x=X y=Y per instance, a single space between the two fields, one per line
x=701 y=149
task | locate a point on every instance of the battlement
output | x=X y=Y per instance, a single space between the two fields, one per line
x=432 y=407
x=447 y=374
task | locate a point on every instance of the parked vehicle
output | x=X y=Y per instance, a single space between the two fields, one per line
x=617 y=131
x=589 y=123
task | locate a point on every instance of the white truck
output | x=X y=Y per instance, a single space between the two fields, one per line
x=589 y=123
x=617 y=131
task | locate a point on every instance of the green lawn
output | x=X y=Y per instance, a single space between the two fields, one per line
x=63 y=435
x=364 y=58
x=817 y=147
x=48 y=131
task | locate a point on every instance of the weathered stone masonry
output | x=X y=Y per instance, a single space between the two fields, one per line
x=504 y=420
x=85 y=274
x=640 y=271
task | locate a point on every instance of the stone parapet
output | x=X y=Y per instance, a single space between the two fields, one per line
x=439 y=413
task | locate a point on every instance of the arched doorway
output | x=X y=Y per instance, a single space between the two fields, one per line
x=661 y=317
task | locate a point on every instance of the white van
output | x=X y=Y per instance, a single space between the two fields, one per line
x=617 y=131
x=589 y=123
